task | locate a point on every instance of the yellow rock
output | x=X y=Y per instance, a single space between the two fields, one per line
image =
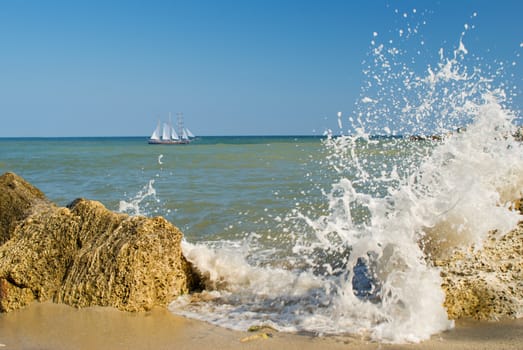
x=85 y=255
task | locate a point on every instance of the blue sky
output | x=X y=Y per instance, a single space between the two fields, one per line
x=112 y=68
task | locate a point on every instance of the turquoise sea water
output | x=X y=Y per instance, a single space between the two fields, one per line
x=216 y=187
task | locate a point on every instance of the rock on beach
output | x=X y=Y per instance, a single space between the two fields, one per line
x=485 y=283
x=85 y=255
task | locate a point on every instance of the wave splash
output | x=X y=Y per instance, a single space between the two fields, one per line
x=442 y=174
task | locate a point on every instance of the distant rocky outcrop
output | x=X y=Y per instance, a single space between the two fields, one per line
x=84 y=254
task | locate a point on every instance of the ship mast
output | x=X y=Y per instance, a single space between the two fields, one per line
x=179 y=117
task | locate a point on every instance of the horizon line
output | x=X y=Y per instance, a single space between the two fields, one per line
x=148 y=136
x=203 y=136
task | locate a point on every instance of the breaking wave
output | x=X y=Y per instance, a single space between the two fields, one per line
x=430 y=163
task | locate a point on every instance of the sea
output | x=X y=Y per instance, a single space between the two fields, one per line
x=217 y=187
x=331 y=234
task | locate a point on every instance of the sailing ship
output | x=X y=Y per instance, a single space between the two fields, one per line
x=167 y=134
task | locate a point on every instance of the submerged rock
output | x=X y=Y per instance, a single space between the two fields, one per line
x=84 y=254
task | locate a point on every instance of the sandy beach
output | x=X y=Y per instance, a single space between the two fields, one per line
x=53 y=326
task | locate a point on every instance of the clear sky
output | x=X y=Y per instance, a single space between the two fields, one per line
x=253 y=67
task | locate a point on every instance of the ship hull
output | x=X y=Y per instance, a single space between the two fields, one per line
x=168 y=142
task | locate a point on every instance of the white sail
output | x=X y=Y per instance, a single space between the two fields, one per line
x=184 y=134
x=189 y=133
x=166 y=134
x=174 y=135
x=156 y=132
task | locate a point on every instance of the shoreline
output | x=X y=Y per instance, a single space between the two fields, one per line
x=57 y=326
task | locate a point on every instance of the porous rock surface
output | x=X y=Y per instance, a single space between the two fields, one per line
x=17 y=197
x=85 y=255
x=485 y=283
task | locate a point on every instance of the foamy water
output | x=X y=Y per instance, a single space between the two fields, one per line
x=362 y=263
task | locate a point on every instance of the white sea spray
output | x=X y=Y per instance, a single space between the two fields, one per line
x=429 y=163
x=137 y=204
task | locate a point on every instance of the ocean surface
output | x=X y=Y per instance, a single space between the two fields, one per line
x=324 y=235
x=213 y=189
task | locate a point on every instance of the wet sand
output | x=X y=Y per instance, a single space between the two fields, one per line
x=52 y=326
